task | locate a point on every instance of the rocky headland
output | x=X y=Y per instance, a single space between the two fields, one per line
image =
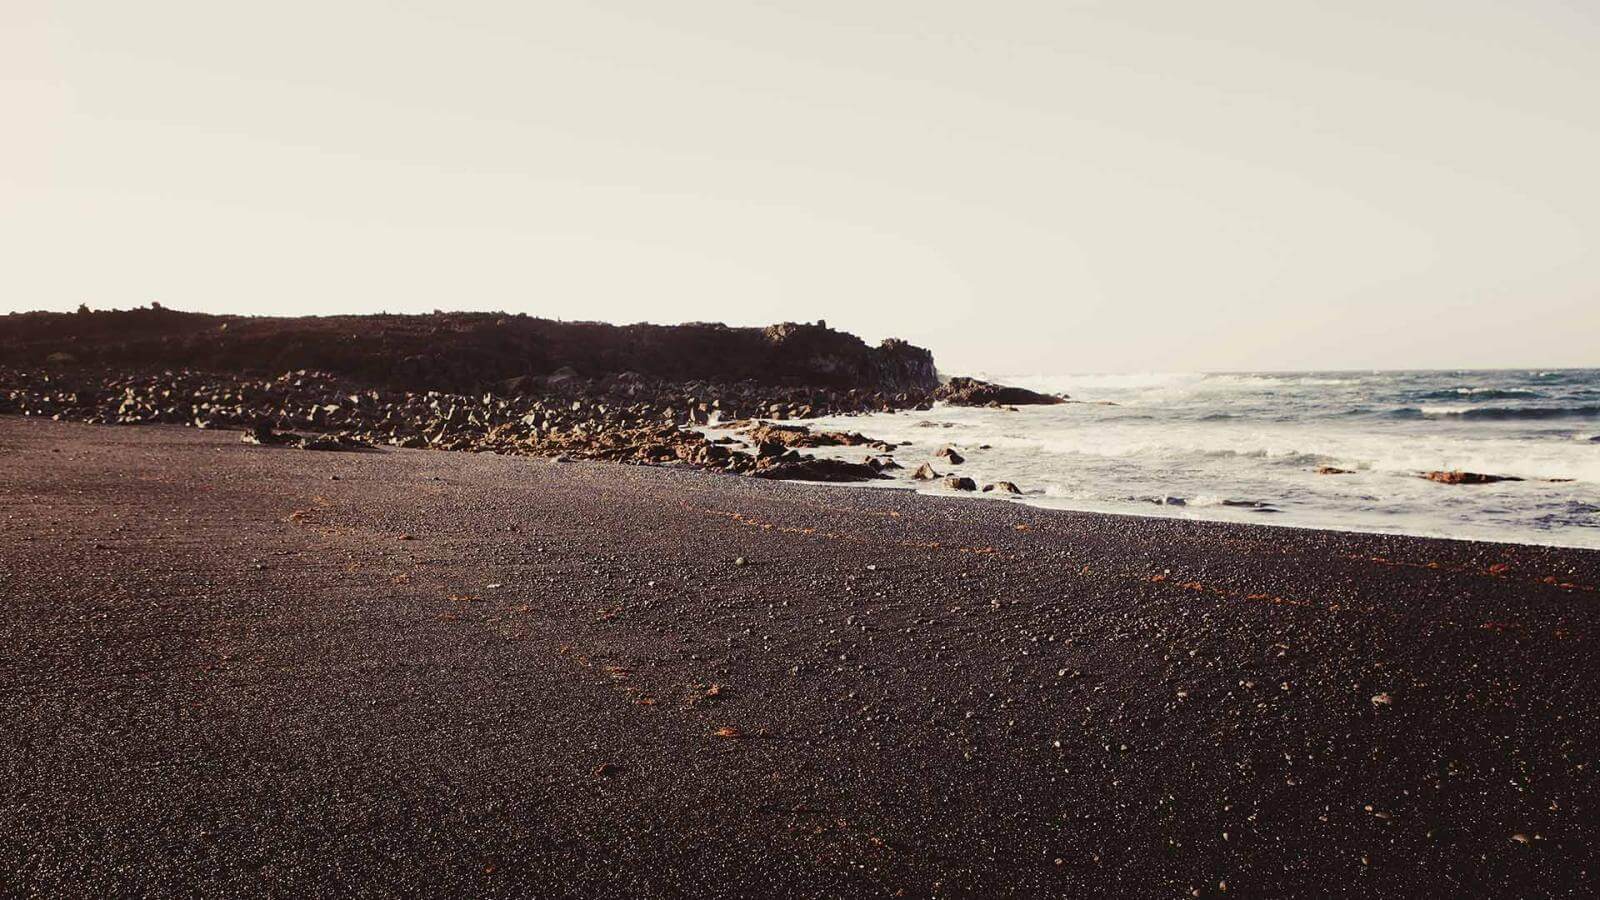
x=484 y=382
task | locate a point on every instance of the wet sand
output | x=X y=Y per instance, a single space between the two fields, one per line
x=256 y=670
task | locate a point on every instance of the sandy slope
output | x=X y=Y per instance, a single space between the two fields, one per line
x=254 y=670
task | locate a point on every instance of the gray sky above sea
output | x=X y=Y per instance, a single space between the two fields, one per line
x=1021 y=187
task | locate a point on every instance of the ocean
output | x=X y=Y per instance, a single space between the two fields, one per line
x=1246 y=447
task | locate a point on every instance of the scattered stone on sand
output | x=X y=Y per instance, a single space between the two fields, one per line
x=960 y=483
x=1002 y=487
x=1457 y=476
x=924 y=472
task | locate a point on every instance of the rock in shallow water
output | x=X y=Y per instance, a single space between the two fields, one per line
x=1459 y=477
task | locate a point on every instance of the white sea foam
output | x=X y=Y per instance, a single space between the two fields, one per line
x=1217 y=441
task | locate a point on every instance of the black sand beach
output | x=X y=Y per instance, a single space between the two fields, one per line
x=247 y=670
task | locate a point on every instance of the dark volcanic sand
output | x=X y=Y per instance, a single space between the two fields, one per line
x=225 y=672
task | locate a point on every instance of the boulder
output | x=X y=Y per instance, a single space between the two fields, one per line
x=801 y=436
x=924 y=472
x=950 y=455
x=960 y=483
x=1002 y=487
x=962 y=391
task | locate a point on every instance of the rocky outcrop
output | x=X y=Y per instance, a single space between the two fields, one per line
x=962 y=391
x=468 y=352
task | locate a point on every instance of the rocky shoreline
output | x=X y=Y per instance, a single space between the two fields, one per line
x=624 y=418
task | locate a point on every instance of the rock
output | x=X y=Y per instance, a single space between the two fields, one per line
x=810 y=468
x=924 y=472
x=972 y=392
x=1459 y=477
x=960 y=483
x=950 y=454
x=333 y=442
x=881 y=464
x=561 y=376
x=760 y=433
x=262 y=434
x=1382 y=699
x=1003 y=487
x=1332 y=470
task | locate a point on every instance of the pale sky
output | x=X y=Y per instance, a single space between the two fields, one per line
x=1021 y=187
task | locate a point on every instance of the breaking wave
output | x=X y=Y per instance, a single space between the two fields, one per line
x=1507 y=413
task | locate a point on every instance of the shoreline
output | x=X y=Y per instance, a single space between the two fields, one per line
x=1037 y=501
x=249 y=669
x=1033 y=499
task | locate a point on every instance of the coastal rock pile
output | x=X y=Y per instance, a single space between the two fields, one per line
x=623 y=419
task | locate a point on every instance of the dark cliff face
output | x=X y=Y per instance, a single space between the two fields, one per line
x=464 y=351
